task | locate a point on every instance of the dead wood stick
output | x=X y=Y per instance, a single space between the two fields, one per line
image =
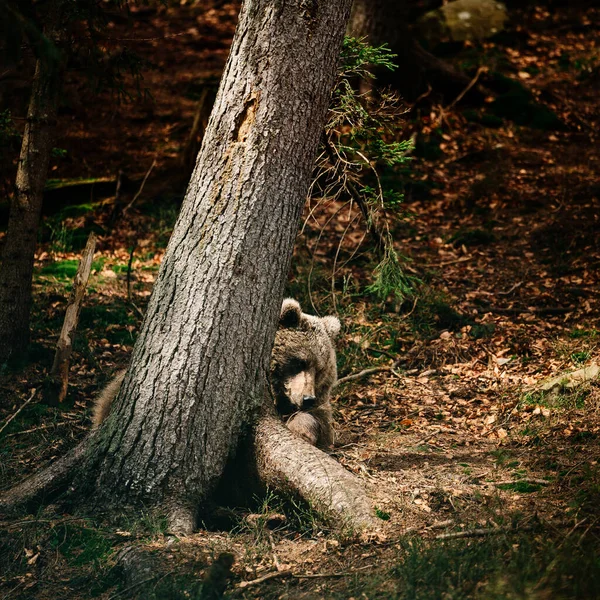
x=139 y=192
x=129 y=264
x=471 y=84
x=394 y=357
x=513 y=481
x=60 y=368
x=550 y=310
x=428 y=437
x=267 y=577
x=39 y=428
x=276 y=562
x=439 y=525
x=361 y=374
x=18 y=410
x=288 y=573
x=337 y=574
x=480 y=532
x=453 y=261
x=372 y=227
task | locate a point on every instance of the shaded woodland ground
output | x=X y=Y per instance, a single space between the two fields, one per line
x=489 y=486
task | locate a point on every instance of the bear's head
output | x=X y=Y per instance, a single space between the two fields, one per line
x=303 y=368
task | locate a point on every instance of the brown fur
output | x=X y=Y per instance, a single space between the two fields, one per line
x=303 y=364
x=105 y=399
x=303 y=370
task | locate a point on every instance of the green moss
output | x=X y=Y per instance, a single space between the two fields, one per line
x=61 y=269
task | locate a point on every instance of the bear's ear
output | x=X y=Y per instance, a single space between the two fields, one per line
x=290 y=314
x=332 y=326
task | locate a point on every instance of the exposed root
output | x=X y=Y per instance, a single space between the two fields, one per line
x=48 y=480
x=285 y=461
x=182 y=519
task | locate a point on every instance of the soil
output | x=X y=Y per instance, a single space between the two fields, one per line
x=501 y=223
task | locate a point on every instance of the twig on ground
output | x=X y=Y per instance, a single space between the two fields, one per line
x=361 y=374
x=276 y=562
x=481 y=532
x=267 y=577
x=138 y=309
x=515 y=481
x=471 y=84
x=39 y=428
x=431 y=527
x=428 y=437
x=448 y=262
x=18 y=410
x=549 y=310
x=394 y=357
x=129 y=263
x=511 y=289
x=139 y=192
x=288 y=573
x=439 y=525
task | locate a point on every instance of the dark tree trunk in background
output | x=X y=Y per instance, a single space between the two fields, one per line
x=18 y=253
x=385 y=22
x=199 y=368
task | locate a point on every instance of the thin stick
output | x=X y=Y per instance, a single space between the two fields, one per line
x=338 y=574
x=513 y=481
x=361 y=374
x=372 y=227
x=427 y=438
x=45 y=426
x=267 y=577
x=60 y=368
x=129 y=263
x=471 y=84
x=439 y=525
x=141 y=187
x=18 y=410
x=276 y=562
x=449 y=262
x=480 y=532
x=372 y=350
x=288 y=573
x=511 y=289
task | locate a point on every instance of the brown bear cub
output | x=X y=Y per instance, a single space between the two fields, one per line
x=303 y=373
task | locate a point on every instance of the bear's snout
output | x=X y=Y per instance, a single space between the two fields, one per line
x=299 y=387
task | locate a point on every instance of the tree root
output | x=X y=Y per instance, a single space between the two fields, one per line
x=287 y=462
x=47 y=481
x=283 y=461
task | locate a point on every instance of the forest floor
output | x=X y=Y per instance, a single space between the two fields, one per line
x=479 y=447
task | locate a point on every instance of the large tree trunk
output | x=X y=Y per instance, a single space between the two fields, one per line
x=199 y=368
x=26 y=205
x=386 y=22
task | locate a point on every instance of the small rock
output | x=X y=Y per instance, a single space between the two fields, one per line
x=463 y=20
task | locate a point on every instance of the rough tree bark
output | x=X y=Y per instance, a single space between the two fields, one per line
x=288 y=463
x=386 y=22
x=26 y=204
x=199 y=368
